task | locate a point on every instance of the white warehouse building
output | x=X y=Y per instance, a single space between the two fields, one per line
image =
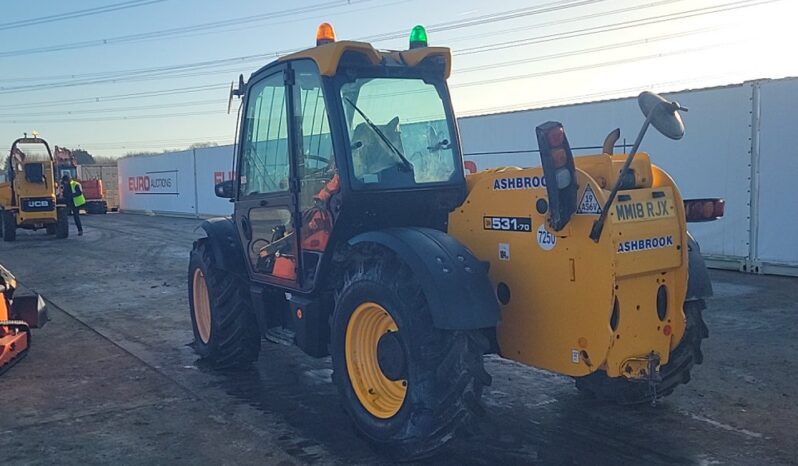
x=740 y=144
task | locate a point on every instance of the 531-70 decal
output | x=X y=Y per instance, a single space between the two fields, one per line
x=522 y=224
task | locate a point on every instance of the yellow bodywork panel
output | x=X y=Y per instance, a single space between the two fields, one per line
x=328 y=56
x=558 y=289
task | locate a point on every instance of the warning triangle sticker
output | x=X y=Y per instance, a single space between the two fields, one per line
x=589 y=203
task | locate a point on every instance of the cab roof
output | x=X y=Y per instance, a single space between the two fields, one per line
x=328 y=56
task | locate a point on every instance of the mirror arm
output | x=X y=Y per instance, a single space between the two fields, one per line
x=598 y=225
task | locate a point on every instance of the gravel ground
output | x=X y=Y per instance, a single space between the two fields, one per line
x=111 y=379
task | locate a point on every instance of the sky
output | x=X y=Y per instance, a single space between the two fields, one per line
x=120 y=76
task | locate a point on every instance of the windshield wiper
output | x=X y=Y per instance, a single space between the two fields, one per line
x=408 y=166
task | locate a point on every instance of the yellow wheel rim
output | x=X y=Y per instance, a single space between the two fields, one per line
x=380 y=396
x=202 y=306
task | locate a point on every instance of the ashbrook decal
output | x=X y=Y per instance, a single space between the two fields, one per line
x=519 y=182
x=164 y=182
x=645 y=244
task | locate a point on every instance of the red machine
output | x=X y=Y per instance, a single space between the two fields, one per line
x=66 y=163
x=18 y=314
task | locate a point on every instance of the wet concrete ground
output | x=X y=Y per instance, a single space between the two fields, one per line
x=111 y=380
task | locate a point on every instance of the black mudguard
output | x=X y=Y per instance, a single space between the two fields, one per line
x=699 y=285
x=223 y=239
x=454 y=282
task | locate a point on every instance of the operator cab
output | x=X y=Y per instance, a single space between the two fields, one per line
x=341 y=134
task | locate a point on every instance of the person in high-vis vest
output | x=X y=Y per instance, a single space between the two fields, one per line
x=74 y=199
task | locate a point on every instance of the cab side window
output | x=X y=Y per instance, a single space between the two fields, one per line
x=265 y=163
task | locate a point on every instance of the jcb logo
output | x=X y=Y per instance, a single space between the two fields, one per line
x=37 y=205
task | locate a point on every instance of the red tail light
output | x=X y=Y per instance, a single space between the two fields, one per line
x=703 y=210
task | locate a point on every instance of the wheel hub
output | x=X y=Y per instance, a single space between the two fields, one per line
x=391 y=357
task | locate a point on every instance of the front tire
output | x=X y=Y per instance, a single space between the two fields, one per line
x=9 y=226
x=434 y=377
x=676 y=372
x=226 y=331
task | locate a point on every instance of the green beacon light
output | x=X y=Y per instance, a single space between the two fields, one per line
x=418 y=37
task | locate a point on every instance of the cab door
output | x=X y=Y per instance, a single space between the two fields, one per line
x=266 y=207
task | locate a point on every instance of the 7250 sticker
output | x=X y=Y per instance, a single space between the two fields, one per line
x=522 y=224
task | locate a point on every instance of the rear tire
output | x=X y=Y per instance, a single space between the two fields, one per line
x=9 y=226
x=676 y=372
x=61 y=224
x=442 y=370
x=226 y=331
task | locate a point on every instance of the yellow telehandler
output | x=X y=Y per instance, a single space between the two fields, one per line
x=28 y=197
x=356 y=233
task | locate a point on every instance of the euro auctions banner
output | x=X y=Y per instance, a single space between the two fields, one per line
x=158 y=184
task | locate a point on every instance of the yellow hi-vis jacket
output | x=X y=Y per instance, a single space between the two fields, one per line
x=77 y=199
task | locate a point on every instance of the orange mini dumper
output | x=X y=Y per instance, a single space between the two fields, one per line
x=17 y=316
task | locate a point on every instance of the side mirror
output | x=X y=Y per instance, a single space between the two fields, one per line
x=664 y=115
x=559 y=172
x=224 y=189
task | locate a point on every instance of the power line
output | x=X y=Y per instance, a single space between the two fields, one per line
x=111 y=98
x=580 y=52
x=733 y=5
x=572 y=69
x=176 y=32
x=120 y=118
x=583 y=98
x=585 y=51
x=501 y=16
x=616 y=26
x=77 y=14
x=120 y=109
x=154 y=73
x=455 y=86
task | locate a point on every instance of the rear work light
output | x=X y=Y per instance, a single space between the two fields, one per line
x=703 y=210
x=559 y=171
x=325 y=34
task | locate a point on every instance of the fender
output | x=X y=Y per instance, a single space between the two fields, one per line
x=699 y=285
x=223 y=239
x=455 y=283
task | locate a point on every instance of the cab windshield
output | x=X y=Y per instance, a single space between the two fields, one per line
x=31 y=152
x=399 y=133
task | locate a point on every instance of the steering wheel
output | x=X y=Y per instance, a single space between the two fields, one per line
x=317 y=171
x=259 y=244
x=317 y=158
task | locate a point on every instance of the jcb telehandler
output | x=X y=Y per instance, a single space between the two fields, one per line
x=356 y=233
x=18 y=314
x=28 y=197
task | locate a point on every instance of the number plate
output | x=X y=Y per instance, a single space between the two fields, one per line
x=639 y=211
x=522 y=224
